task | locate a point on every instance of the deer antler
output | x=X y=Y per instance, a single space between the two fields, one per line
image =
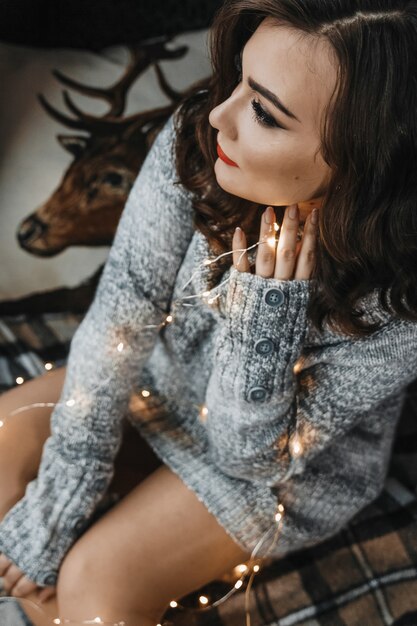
x=142 y=56
x=101 y=126
x=172 y=93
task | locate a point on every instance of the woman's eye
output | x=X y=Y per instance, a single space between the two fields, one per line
x=262 y=117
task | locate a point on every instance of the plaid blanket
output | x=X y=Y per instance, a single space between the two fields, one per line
x=364 y=576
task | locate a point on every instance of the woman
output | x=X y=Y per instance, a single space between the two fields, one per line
x=269 y=388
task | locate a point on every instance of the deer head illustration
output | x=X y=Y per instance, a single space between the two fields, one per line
x=85 y=208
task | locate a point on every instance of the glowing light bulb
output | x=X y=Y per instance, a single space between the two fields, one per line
x=48 y=366
x=278 y=517
x=173 y=603
x=70 y=402
x=57 y=620
x=256 y=568
x=207 y=262
x=238 y=584
x=296 y=446
x=297 y=367
x=203 y=600
x=276 y=227
x=281 y=508
x=169 y=319
x=271 y=241
x=241 y=568
x=206 y=293
x=20 y=380
x=120 y=347
x=203 y=413
x=1 y=423
x=145 y=393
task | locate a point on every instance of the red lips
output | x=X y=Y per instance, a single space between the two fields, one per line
x=224 y=157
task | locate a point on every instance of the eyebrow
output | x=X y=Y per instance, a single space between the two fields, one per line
x=271 y=97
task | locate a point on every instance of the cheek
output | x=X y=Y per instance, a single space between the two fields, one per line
x=284 y=162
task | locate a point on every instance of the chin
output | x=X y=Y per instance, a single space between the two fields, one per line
x=233 y=189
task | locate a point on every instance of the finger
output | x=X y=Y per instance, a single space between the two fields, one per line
x=287 y=244
x=46 y=593
x=307 y=255
x=265 y=255
x=11 y=577
x=4 y=564
x=23 y=587
x=240 y=256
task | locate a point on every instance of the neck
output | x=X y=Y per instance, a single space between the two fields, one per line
x=306 y=207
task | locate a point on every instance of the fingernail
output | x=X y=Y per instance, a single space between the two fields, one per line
x=293 y=212
x=269 y=215
x=314 y=216
x=238 y=232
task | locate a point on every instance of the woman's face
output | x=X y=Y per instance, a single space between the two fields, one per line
x=270 y=125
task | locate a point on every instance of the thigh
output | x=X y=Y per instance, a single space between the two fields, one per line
x=157 y=544
x=24 y=433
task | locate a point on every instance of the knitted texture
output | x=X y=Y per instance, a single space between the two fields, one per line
x=266 y=376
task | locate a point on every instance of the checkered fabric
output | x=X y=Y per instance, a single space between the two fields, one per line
x=364 y=576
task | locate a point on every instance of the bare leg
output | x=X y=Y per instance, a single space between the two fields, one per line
x=159 y=543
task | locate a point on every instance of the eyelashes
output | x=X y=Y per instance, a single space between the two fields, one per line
x=261 y=116
x=258 y=112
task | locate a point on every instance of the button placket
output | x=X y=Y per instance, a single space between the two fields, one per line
x=273 y=297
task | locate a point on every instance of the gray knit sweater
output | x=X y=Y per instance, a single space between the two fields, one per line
x=251 y=357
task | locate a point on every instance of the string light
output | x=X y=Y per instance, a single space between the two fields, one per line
x=252 y=567
x=241 y=568
x=296 y=446
x=203 y=413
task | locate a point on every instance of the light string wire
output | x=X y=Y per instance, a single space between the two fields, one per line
x=253 y=564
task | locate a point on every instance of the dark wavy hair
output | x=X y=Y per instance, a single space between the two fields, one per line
x=368 y=219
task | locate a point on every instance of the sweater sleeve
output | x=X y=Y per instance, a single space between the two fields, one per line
x=107 y=353
x=269 y=404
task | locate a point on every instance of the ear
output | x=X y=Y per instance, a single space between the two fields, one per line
x=76 y=144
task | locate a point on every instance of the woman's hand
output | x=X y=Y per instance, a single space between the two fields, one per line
x=290 y=259
x=17 y=584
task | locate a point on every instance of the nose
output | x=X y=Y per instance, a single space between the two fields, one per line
x=223 y=118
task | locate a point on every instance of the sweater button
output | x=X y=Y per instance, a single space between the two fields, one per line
x=50 y=579
x=257 y=394
x=274 y=297
x=79 y=523
x=264 y=346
